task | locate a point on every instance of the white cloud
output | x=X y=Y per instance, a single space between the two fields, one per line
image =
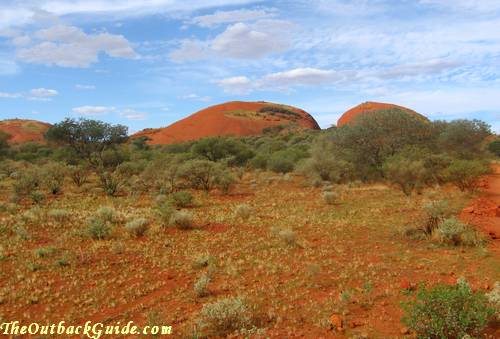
x=189 y=50
x=7 y=95
x=239 y=41
x=93 y=110
x=236 y=85
x=418 y=69
x=68 y=46
x=244 y=41
x=304 y=76
x=226 y=17
x=131 y=114
x=43 y=92
x=84 y=87
x=196 y=97
x=486 y=6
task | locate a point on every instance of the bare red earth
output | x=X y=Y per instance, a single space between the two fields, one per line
x=370 y=107
x=225 y=120
x=24 y=130
x=484 y=212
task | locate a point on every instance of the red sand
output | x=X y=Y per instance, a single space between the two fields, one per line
x=370 y=107
x=484 y=212
x=219 y=121
x=24 y=130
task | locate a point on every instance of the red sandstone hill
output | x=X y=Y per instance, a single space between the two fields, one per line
x=371 y=107
x=236 y=118
x=24 y=130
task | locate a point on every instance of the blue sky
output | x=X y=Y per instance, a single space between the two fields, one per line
x=148 y=63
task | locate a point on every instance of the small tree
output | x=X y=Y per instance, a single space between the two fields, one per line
x=90 y=139
x=465 y=174
x=494 y=147
x=199 y=173
x=52 y=176
x=464 y=138
x=407 y=174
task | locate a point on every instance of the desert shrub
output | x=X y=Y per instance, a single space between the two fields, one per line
x=162 y=173
x=44 y=252
x=112 y=182
x=27 y=181
x=465 y=174
x=280 y=163
x=453 y=232
x=243 y=211
x=37 y=197
x=182 y=220
x=494 y=147
x=201 y=286
x=164 y=211
x=288 y=236
x=181 y=199
x=52 y=176
x=106 y=214
x=225 y=180
x=436 y=212
x=79 y=174
x=464 y=138
x=98 y=229
x=137 y=227
x=58 y=214
x=407 y=174
x=447 y=311
x=259 y=161
x=435 y=166
x=199 y=174
x=330 y=197
x=224 y=316
x=218 y=148
x=494 y=298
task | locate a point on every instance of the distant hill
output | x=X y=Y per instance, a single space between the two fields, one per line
x=236 y=118
x=24 y=130
x=351 y=115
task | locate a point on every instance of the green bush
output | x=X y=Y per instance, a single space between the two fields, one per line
x=453 y=232
x=407 y=174
x=436 y=212
x=224 y=317
x=52 y=176
x=79 y=174
x=27 y=182
x=98 y=229
x=465 y=174
x=280 y=163
x=200 y=174
x=137 y=227
x=494 y=147
x=181 y=199
x=107 y=214
x=225 y=180
x=447 y=312
x=164 y=210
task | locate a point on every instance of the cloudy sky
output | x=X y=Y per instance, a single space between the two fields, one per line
x=147 y=63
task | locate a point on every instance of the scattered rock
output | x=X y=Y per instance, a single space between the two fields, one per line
x=337 y=322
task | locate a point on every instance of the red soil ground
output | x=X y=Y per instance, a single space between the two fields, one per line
x=484 y=212
x=236 y=118
x=370 y=107
x=24 y=130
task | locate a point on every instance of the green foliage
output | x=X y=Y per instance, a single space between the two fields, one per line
x=407 y=174
x=182 y=220
x=454 y=232
x=464 y=138
x=164 y=210
x=52 y=176
x=377 y=136
x=444 y=311
x=218 y=148
x=4 y=144
x=494 y=147
x=79 y=174
x=225 y=180
x=27 y=181
x=162 y=172
x=90 y=139
x=98 y=229
x=200 y=174
x=224 y=316
x=181 y=199
x=436 y=212
x=465 y=174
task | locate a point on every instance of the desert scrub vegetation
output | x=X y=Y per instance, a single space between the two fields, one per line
x=98 y=229
x=243 y=211
x=223 y=317
x=456 y=233
x=465 y=174
x=330 y=198
x=58 y=214
x=201 y=286
x=182 y=199
x=137 y=227
x=445 y=311
x=182 y=220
